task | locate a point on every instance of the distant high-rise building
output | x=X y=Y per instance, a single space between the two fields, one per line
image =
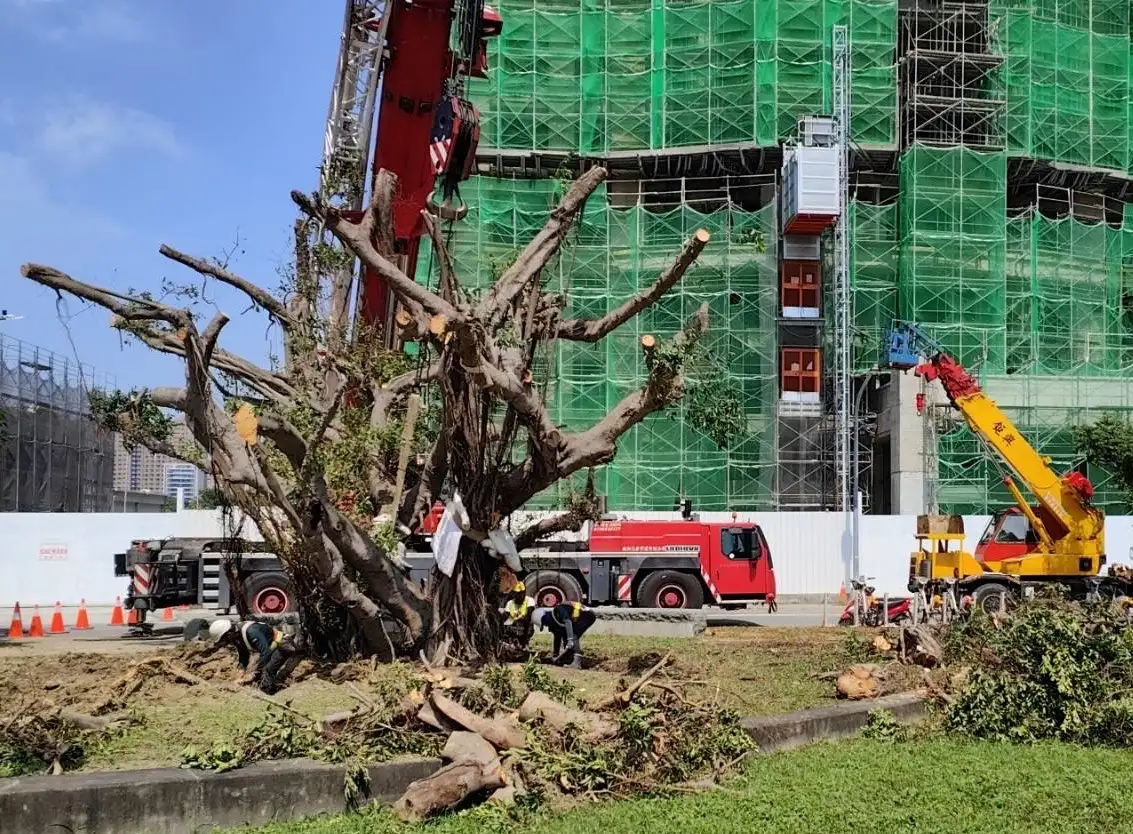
x=183 y=477
x=141 y=470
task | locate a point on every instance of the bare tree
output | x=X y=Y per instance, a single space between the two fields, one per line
x=309 y=449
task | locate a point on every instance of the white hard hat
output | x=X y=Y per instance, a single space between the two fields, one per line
x=219 y=628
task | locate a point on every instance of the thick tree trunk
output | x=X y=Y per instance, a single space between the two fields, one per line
x=467 y=623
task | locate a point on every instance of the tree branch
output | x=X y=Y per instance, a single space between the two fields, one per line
x=127 y=307
x=448 y=283
x=268 y=383
x=571 y=520
x=386 y=394
x=598 y=445
x=209 y=337
x=356 y=236
x=591 y=330
x=660 y=390
x=259 y=296
x=418 y=499
x=541 y=248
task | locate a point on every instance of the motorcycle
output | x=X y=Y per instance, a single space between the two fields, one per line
x=871 y=610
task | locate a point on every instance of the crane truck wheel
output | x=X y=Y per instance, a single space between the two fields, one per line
x=989 y=597
x=269 y=593
x=551 y=587
x=670 y=589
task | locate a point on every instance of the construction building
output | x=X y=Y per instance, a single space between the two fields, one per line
x=989 y=200
x=53 y=458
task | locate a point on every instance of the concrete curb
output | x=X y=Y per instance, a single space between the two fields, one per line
x=175 y=801
x=784 y=732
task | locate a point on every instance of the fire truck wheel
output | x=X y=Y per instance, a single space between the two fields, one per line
x=670 y=589
x=552 y=587
x=269 y=593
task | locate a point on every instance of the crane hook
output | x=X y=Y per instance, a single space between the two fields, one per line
x=446 y=210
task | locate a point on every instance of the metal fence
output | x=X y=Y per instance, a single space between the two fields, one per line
x=53 y=458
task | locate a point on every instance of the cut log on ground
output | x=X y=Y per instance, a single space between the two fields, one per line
x=859 y=682
x=447 y=788
x=503 y=733
x=468 y=747
x=559 y=717
x=919 y=645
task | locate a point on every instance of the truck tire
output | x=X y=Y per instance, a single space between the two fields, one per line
x=987 y=597
x=670 y=589
x=269 y=592
x=552 y=587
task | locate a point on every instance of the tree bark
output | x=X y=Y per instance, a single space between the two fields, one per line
x=447 y=788
x=559 y=716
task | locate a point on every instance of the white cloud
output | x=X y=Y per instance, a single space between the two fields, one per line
x=83 y=131
x=102 y=20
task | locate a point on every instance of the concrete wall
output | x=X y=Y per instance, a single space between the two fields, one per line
x=46 y=557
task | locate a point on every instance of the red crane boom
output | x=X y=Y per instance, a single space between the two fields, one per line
x=413 y=55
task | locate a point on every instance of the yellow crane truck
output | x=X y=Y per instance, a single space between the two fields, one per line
x=1058 y=539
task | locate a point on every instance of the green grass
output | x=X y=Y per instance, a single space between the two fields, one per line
x=755 y=671
x=938 y=787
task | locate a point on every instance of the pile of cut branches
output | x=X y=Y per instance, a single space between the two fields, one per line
x=510 y=734
x=34 y=741
x=1054 y=669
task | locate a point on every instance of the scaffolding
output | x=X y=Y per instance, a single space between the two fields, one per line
x=52 y=456
x=949 y=75
x=1066 y=80
x=991 y=148
x=597 y=77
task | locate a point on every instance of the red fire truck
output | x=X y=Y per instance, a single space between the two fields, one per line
x=649 y=564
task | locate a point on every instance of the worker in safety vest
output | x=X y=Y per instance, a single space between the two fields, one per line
x=264 y=652
x=517 y=615
x=567 y=623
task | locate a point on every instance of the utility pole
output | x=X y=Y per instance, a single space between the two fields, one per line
x=843 y=407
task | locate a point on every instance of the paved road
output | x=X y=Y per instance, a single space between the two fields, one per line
x=103 y=637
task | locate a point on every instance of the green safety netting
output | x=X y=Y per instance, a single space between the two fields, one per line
x=1066 y=79
x=953 y=216
x=596 y=76
x=1026 y=296
x=609 y=256
x=874 y=255
x=970 y=483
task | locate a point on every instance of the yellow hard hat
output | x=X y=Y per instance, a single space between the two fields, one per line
x=519 y=588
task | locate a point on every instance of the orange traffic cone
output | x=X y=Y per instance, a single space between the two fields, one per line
x=16 y=629
x=167 y=614
x=117 y=617
x=82 y=619
x=133 y=618
x=843 y=597
x=57 y=626
x=36 y=629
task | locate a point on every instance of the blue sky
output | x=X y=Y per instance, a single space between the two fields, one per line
x=126 y=124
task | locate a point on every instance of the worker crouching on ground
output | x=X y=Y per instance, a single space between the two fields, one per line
x=567 y=623
x=266 y=654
